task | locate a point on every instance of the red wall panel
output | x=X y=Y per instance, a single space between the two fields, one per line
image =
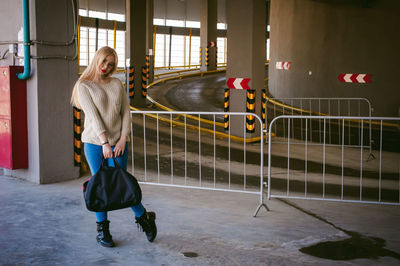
x=13 y=119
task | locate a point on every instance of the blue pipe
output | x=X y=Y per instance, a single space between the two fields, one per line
x=27 y=51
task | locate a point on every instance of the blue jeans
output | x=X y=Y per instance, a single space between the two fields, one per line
x=94 y=155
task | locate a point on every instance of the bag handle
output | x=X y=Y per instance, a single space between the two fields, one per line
x=116 y=164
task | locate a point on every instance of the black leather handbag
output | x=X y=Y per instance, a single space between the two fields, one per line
x=111 y=188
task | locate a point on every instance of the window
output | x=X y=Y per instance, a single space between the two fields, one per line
x=175 y=23
x=180 y=50
x=195 y=51
x=192 y=24
x=177 y=50
x=221 y=45
x=83 y=47
x=120 y=47
x=158 y=21
x=87 y=46
x=160 y=53
x=83 y=12
x=97 y=14
x=117 y=17
x=221 y=26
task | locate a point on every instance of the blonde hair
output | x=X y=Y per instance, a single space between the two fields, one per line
x=92 y=70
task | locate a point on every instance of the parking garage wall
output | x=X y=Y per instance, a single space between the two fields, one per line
x=323 y=39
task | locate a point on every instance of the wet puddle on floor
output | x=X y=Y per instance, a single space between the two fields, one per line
x=355 y=247
x=190 y=254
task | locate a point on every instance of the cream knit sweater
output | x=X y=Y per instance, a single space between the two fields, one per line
x=106 y=109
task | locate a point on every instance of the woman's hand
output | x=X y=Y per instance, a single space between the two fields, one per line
x=120 y=147
x=107 y=151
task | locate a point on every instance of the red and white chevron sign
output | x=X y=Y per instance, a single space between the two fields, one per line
x=212 y=44
x=238 y=83
x=283 y=65
x=355 y=78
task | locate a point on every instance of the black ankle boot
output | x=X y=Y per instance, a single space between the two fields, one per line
x=103 y=234
x=148 y=224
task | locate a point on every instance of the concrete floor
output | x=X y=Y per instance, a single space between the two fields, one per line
x=49 y=225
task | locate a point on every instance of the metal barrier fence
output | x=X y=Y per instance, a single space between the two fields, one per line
x=319 y=107
x=170 y=149
x=323 y=106
x=315 y=170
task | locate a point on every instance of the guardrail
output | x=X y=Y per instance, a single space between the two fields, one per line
x=186 y=66
x=317 y=171
x=179 y=155
x=319 y=107
x=324 y=106
x=177 y=72
x=180 y=76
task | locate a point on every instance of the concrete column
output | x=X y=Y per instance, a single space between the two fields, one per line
x=245 y=55
x=149 y=39
x=136 y=44
x=208 y=33
x=50 y=114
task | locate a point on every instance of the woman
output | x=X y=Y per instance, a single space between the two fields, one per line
x=106 y=130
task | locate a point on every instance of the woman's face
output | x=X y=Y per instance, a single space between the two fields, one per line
x=107 y=65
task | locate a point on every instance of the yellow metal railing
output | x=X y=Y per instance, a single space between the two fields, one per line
x=187 y=66
x=206 y=121
x=194 y=127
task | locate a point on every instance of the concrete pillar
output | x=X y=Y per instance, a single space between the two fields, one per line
x=245 y=55
x=50 y=114
x=208 y=33
x=149 y=39
x=136 y=45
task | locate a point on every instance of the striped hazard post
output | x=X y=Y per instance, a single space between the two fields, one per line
x=207 y=59
x=226 y=109
x=243 y=84
x=263 y=106
x=250 y=108
x=77 y=137
x=144 y=82
x=147 y=66
x=354 y=78
x=131 y=82
x=200 y=57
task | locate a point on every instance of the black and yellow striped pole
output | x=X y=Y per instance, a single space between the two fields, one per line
x=207 y=59
x=147 y=66
x=263 y=106
x=226 y=109
x=200 y=57
x=144 y=82
x=131 y=82
x=250 y=108
x=77 y=137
